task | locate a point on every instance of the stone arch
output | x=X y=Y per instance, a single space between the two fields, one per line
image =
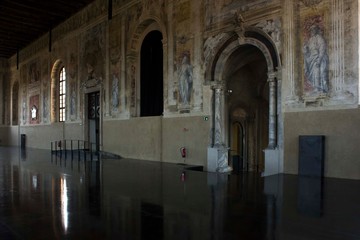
x=218 y=48
x=216 y=60
x=233 y=45
x=151 y=23
x=255 y=37
x=58 y=64
x=265 y=39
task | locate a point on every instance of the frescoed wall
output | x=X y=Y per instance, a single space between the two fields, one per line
x=326 y=77
x=314 y=44
x=92 y=61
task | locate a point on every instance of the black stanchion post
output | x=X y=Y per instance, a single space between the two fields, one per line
x=51 y=151
x=60 y=146
x=84 y=152
x=78 y=149
x=72 y=152
x=91 y=154
x=65 y=149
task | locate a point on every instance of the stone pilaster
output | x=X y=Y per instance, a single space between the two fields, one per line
x=123 y=106
x=171 y=101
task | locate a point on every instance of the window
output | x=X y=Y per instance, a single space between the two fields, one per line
x=62 y=95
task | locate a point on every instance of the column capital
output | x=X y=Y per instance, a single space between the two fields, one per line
x=271 y=75
x=164 y=43
x=217 y=85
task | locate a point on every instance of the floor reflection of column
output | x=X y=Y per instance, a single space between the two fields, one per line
x=274 y=191
x=218 y=186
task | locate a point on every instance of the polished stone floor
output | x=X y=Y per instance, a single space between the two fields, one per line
x=44 y=197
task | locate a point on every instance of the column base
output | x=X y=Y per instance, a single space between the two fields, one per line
x=272 y=160
x=217 y=160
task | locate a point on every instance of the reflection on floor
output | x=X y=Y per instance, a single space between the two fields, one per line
x=42 y=198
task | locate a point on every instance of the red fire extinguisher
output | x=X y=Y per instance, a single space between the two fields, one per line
x=183 y=152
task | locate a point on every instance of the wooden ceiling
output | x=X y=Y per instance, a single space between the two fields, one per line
x=23 y=21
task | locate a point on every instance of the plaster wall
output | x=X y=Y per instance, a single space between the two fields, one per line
x=41 y=136
x=4 y=135
x=189 y=132
x=199 y=31
x=136 y=138
x=9 y=136
x=159 y=139
x=14 y=137
x=74 y=131
x=342 y=150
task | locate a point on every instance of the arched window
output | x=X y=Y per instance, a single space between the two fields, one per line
x=62 y=95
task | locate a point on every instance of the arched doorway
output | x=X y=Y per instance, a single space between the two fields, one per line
x=247 y=61
x=247 y=108
x=151 y=75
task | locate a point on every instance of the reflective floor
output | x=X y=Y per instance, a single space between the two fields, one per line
x=52 y=198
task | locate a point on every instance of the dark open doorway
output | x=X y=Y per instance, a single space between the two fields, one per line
x=151 y=85
x=248 y=108
x=94 y=119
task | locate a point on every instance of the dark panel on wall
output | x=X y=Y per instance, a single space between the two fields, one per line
x=311 y=155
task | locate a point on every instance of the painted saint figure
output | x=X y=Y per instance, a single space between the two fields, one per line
x=45 y=105
x=73 y=101
x=185 y=81
x=115 y=93
x=24 y=111
x=316 y=60
x=34 y=113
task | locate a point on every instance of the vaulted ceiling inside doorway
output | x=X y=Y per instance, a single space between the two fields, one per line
x=246 y=75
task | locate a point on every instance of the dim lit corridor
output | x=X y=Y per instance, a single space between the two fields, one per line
x=54 y=198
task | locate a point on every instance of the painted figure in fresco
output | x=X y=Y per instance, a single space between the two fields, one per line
x=33 y=112
x=24 y=111
x=185 y=80
x=115 y=92
x=316 y=60
x=34 y=73
x=45 y=105
x=73 y=102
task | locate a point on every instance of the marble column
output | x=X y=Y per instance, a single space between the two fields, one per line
x=218 y=130
x=219 y=144
x=272 y=110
